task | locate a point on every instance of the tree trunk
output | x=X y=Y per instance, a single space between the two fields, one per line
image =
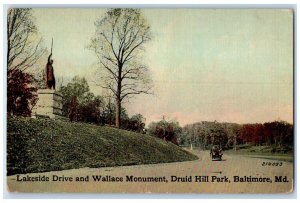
x=118 y=105
x=118 y=97
x=234 y=143
x=118 y=112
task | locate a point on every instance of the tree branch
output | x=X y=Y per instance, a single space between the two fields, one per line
x=135 y=92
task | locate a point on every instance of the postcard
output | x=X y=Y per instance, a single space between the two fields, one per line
x=149 y=100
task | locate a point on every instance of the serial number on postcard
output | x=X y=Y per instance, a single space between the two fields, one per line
x=271 y=163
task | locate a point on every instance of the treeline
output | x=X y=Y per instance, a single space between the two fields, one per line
x=81 y=105
x=228 y=135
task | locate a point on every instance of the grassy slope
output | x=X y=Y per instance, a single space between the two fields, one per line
x=38 y=145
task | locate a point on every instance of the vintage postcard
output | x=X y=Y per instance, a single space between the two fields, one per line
x=127 y=100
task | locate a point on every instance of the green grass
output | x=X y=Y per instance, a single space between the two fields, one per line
x=264 y=152
x=40 y=145
x=286 y=157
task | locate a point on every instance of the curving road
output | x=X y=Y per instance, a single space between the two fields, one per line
x=232 y=165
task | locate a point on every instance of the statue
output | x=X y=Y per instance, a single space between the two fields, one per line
x=49 y=76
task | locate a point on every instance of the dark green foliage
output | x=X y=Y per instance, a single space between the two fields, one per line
x=21 y=94
x=278 y=133
x=166 y=130
x=136 y=123
x=80 y=105
x=88 y=107
x=38 y=145
x=90 y=111
x=77 y=87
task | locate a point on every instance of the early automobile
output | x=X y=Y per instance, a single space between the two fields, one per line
x=216 y=153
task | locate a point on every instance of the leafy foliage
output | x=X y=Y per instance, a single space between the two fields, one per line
x=21 y=95
x=136 y=123
x=95 y=109
x=79 y=88
x=88 y=107
x=166 y=130
x=90 y=111
x=204 y=134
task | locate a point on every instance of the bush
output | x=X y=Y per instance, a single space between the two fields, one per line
x=166 y=130
x=21 y=94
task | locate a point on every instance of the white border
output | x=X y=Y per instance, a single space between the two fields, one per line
x=146 y=3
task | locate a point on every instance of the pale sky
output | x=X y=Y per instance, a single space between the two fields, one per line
x=206 y=64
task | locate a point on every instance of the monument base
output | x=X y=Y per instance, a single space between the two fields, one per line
x=49 y=105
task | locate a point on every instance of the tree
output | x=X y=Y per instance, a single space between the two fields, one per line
x=166 y=130
x=79 y=104
x=278 y=133
x=232 y=131
x=135 y=123
x=109 y=112
x=23 y=43
x=90 y=111
x=77 y=87
x=118 y=43
x=23 y=51
x=21 y=95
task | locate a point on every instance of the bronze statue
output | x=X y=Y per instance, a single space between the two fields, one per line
x=49 y=76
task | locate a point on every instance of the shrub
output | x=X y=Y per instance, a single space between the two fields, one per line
x=21 y=94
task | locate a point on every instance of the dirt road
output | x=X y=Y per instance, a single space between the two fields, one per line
x=189 y=171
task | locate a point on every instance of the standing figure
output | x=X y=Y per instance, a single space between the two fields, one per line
x=49 y=76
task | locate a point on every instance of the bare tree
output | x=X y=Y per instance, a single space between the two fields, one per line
x=118 y=43
x=23 y=43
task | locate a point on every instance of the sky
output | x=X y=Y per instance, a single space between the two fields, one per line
x=228 y=65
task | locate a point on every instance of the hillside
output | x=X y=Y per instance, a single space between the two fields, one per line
x=39 y=145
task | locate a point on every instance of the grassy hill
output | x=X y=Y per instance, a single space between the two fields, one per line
x=39 y=145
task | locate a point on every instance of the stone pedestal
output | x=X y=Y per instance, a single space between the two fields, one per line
x=49 y=104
